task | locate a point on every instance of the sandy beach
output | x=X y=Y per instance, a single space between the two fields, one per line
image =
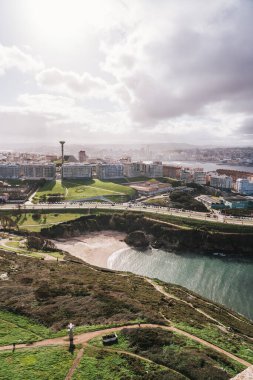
x=95 y=247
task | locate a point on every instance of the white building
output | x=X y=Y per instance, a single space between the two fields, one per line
x=222 y=182
x=153 y=170
x=9 y=171
x=110 y=171
x=36 y=171
x=76 y=171
x=143 y=169
x=185 y=175
x=244 y=186
x=199 y=177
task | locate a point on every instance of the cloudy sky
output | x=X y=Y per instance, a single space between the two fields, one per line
x=126 y=70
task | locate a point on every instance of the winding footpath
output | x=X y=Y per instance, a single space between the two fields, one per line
x=86 y=337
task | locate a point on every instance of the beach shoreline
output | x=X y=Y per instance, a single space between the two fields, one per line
x=94 y=248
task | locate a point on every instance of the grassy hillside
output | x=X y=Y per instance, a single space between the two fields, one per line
x=44 y=363
x=82 y=189
x=39 y=298
x=55 y=293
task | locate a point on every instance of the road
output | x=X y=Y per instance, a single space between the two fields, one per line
x=131 y=207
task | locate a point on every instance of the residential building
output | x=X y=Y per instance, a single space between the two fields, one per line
x=222 y=182
x=153 y=170
x=110 y=171
x=133 y=169
x=244 y=186
x=171 y=171
x=76 y=171
x=143 y=169
x=9 y=171
x=36 y=171
x=199 y=177
x=185 y=175
x=82 y=156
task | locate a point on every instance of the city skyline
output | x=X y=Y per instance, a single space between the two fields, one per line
x=126 y=72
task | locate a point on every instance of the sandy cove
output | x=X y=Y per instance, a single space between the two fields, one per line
x=94 y=247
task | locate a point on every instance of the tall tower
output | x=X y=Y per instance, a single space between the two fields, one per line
x=62 y=151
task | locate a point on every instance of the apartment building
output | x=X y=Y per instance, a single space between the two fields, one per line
x=9 y=171
x=143 y=169
x=171 y=171
x=76 y=171
x=110 y=171
x=244 y=186
x=185 y=175
x=222 y=182
x=36 y=171
x=199 y=177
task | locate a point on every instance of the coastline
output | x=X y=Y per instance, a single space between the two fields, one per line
x=94 y=248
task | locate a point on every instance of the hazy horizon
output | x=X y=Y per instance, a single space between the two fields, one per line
x=126 y=72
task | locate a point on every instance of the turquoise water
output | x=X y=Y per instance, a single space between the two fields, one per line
x=221 y=279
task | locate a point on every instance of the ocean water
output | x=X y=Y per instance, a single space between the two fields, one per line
x=221 y=279
x=210 y=166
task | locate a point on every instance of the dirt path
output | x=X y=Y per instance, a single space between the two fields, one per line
x=86 y=337
x=75 y=365
x=160 y=289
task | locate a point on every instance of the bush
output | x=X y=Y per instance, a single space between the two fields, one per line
x=36 y=216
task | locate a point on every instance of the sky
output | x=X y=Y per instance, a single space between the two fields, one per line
x=124 y=71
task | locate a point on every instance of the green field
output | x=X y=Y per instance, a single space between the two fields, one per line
x=77 y=189
x=18 y=329
x=44 y=363
x=26 y=221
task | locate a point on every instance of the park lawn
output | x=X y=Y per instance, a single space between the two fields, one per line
x=44 y=363
x=104 y=365
x=95 y=188
x=28 y=223
x=19 y=329
x=81 y=189
x=51 y=187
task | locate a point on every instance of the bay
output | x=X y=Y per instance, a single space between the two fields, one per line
x=221 y=279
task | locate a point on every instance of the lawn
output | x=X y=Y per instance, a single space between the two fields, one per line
x=44 y=363
x=82 y=189
x=18 y=329
x=26 y=222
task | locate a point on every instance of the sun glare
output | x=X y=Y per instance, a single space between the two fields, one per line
x=62 y=21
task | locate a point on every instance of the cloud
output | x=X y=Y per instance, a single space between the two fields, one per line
x=177 y=58
x=12 y=57
x=247 y=127
x=71 y=83
x=46 y=117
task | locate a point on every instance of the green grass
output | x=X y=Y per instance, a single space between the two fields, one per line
x=44 y=363
x=164 y=348
x=215 y=336
x=28 y=223
x=18 y=329
x=77 y=189
x=102 y=365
